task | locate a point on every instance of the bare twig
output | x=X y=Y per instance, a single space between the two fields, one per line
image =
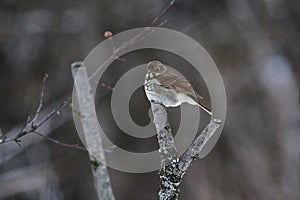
x=162 y=13
x=104 y=85
x=75 y=146
x=41 y=99
x=140 y=36
x=53 y=112
x=31 y=125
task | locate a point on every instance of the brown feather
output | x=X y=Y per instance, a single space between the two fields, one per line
x=172 y=80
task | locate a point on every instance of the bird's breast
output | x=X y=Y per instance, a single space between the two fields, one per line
x=157 y=93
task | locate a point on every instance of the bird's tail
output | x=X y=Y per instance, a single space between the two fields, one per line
x=204 y=107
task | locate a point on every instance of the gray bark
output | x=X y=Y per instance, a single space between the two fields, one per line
x=173 y=168
x=91 y=131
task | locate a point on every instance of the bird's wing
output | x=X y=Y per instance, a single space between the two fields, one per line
x=173 y=80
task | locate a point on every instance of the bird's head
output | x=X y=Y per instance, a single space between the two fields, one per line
x=156 y=67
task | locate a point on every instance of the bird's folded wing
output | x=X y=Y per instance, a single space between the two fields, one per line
x=179 y=84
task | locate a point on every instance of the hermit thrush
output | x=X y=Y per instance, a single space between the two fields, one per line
x=164 y=85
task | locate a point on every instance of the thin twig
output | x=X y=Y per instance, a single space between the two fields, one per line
x=105 y=86
x=140 y=36
x=53 y=112
x=75 y=146
x=31 y=125
x=162 y=13
x=41 y=98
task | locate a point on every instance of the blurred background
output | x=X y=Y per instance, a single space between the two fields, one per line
x=255 y=45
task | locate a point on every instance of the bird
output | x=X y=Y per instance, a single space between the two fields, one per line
x=166 y=86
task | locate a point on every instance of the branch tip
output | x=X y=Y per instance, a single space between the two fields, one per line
x=76 y=64
x=217 y=121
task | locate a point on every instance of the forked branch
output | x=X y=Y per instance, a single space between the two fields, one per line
x=173 y=168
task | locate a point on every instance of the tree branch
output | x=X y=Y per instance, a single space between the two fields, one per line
x=173 y=168
x=92 y=134
x=192 y=153
x=167 y=149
